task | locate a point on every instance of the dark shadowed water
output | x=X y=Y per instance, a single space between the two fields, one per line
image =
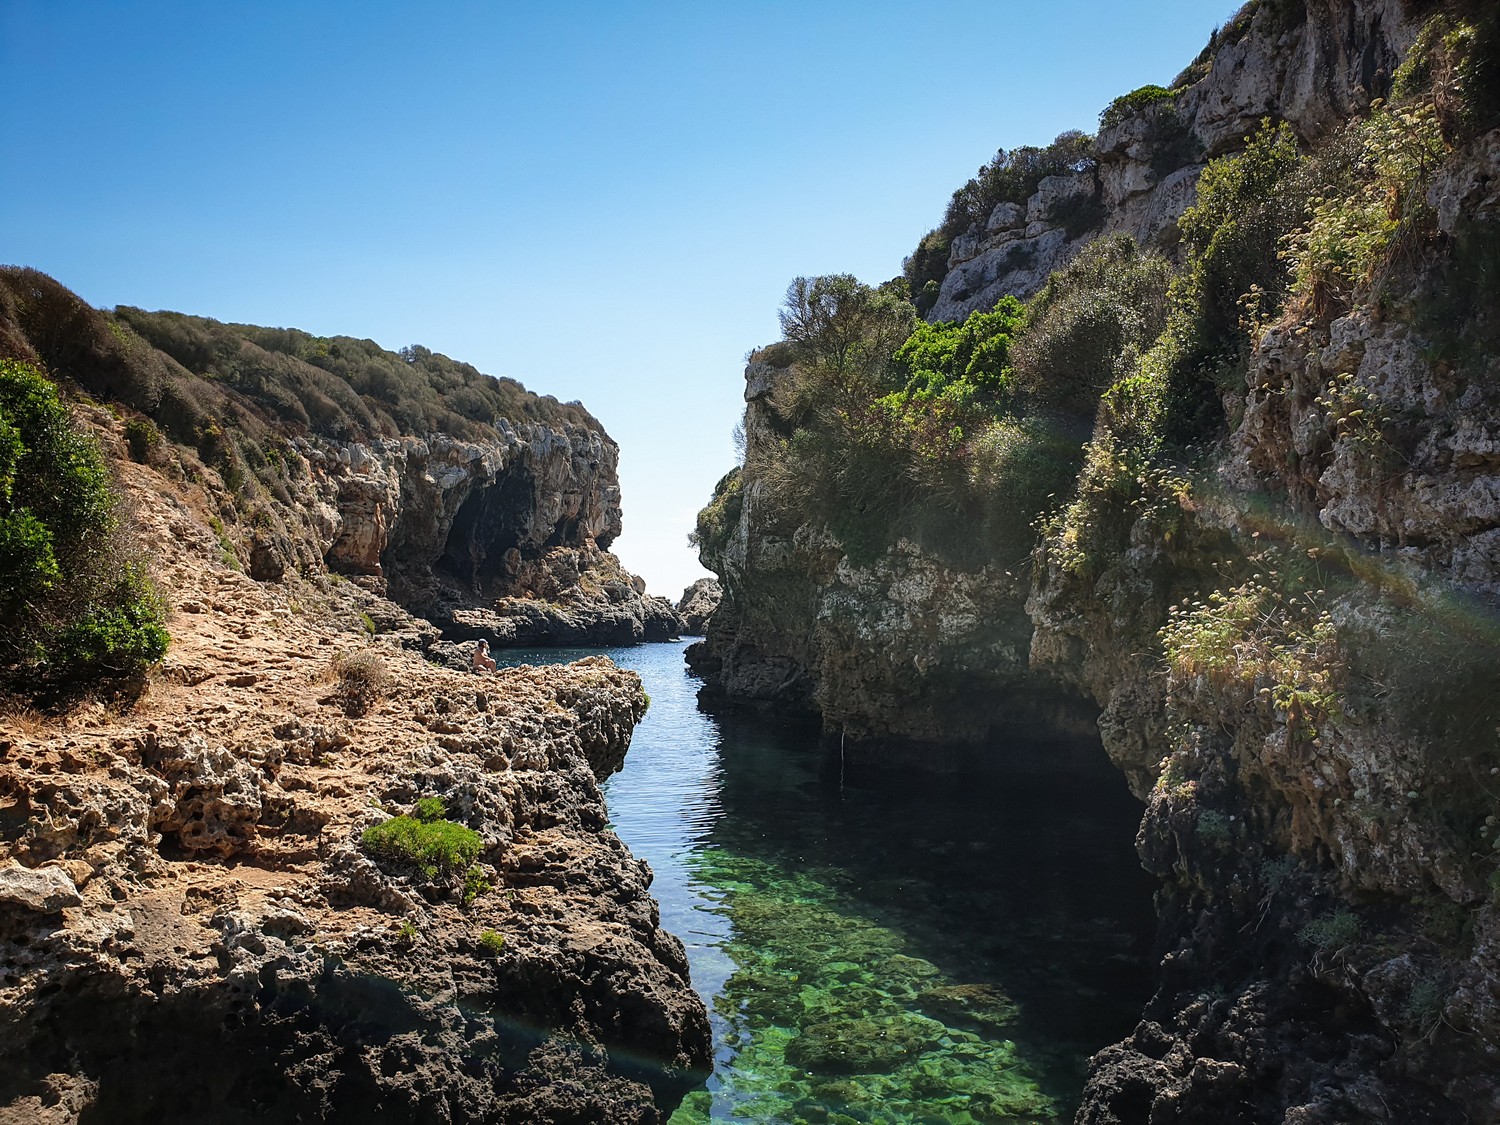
x=881 y=947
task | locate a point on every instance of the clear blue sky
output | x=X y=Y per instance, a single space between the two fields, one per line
x=603 y=200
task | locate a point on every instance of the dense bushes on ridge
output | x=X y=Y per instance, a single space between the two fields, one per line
x=953 y=434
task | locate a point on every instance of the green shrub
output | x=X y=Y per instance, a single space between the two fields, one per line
x=1135 y=102
x=720 y=517
x=430 y=809
x=433 y=847
x=1246 y=206
x=1379 y=194
x=142 y=438
x=1331 y=933
x=75 y=607
x=918 y=438
x=492 y=942
x=1084 y=326
x=1455 y=63
x=119 y=633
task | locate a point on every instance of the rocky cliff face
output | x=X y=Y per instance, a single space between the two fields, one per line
x=1287 y=620
x=1319 y=793
x=1315 y=75
x=697 y=605
x=900 y=649
x=506 y=540
x=192 y=916
x=951 y=648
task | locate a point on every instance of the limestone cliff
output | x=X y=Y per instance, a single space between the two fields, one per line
x=1275 y=574
x=1319 y=779
x=299 y=872
x=898 y=647
x=697 y=605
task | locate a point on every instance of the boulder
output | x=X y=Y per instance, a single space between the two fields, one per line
x=698 y=603
x=43 y=890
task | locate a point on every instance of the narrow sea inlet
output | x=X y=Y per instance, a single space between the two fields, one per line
x=881 y=946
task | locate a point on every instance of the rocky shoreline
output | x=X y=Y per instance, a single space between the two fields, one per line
x=312 y=868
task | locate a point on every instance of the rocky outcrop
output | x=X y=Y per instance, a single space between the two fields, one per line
x=901 y=652
x=192 y=914
x=506 y=540
x=332 y=455
x=698 y=603
x=1314 y=75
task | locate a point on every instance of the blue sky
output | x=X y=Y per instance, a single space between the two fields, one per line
x=603 y=200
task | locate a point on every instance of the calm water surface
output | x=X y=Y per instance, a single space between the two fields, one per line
x=880 y=947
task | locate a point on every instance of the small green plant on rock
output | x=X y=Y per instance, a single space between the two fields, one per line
x=1332 y=933
x=475 y=884
x=492 y=942
x=436 y=847
x=1213 y=828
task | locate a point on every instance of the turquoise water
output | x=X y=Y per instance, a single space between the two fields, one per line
x=882 y=947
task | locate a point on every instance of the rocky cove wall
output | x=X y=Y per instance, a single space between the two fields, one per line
x=1320 y=798
x=1293 y=649
x=899 y=654
x=506 y=539
x=942 y=652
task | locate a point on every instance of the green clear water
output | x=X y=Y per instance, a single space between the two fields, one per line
x=883 y=947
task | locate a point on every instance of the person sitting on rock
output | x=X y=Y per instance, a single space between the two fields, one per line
x=483 y=662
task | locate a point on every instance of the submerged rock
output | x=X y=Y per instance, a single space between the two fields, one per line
x=859 y=1046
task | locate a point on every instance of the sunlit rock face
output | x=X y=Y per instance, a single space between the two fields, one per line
x=507 y=539
x=698 y=603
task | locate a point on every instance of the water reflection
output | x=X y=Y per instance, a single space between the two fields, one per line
x=877 y=947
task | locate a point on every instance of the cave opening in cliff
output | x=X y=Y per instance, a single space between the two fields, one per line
x=490 y=522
